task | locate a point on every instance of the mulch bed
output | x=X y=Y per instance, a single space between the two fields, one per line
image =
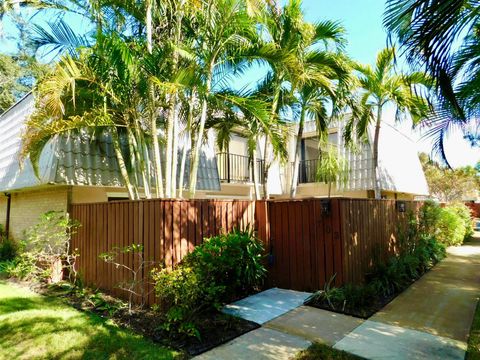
x=216 y=329
x=362 y=313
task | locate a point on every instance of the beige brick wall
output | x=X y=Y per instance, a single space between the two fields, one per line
x=28 y=206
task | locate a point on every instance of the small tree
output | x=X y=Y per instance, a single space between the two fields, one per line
x=135 y=285
x=331 y=167
x=49 y=243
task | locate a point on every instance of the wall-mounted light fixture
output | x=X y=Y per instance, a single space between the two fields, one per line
x=401 y=206
x=326 y=207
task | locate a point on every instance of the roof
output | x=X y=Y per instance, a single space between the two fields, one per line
x=71 y=159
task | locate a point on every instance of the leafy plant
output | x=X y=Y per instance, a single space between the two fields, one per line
x=465 y=214
x=49 y=243
x=222 y=268
x=135 y=285
x=8 y=248
x=451 y=228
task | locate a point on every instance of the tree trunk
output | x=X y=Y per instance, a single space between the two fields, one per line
x=378 y=190
x=171 y=172
x=140 y=157
x=199 y=139
x=182 y=168
x=191 y=104
x=175 y=152
x=256 y=187
x=133 y=159
x=266 y=152
x=296 y=164
x=121 y=165
x=153 y=121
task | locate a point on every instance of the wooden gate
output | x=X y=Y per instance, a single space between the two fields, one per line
x=305 y=246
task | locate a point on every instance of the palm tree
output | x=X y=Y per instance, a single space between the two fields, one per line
x=101 y=90
x=316 y=92
x=298 y=54
x=441 y=37
x=222 y=29
x=381 y=86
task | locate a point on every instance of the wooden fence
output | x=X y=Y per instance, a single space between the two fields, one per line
x=306 y=244
x=167 y=229
x=371 y=232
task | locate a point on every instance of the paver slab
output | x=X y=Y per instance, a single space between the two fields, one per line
x=266 y=305
x=373 y=340
x=315 y=324
x=443 y=301
x=260 y=344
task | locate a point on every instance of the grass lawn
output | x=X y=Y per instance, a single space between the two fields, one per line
x=319 y=351
x=473 y=351
x=38 y=327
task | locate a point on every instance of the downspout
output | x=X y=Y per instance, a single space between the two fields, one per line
x=7 y=220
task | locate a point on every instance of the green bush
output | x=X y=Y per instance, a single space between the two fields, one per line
x=8 y=249
x=21 y=267
x=451 y=228
x=465 y=213
x=428 y=218
x=223 y=268
x=450 y=225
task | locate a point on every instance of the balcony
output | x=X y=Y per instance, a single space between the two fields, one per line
x=307 y=171
x=234 y=168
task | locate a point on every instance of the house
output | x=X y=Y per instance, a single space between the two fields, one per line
x=72 y=169
x=79 y=169
x=401 y=173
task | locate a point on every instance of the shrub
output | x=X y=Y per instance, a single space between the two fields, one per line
x=222 y=268
x=450 y=225
x=451 y=228
x=8 y=249
x=428 y=218
x=465 y=213
x=46 y=247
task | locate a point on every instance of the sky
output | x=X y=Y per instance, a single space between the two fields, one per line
x=366 y=36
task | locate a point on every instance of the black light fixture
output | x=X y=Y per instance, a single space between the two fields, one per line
x=401 y=206
x=326 y=207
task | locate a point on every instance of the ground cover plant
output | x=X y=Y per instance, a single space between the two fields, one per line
x=422 y=246
x=43 y=327
x=473 y=350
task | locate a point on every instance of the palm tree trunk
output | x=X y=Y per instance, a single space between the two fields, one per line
x=296 y=164
x=122 y=166
x=191 y=104
x=133 y=159
x=153 y=121
x=175 y=152
x=266 y=152
x=256 y=187
x=148 y=21
x=182 y=168
x=377 y=188
x=199 y=139
x=140 y=158
x=171 y=172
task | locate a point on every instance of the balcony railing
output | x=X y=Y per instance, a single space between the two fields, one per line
x=234 y=168
x=307 y=171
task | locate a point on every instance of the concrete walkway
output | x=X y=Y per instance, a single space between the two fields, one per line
x=431 y=319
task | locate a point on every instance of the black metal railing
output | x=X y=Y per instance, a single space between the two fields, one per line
x=233 y=168
x=307 y=171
